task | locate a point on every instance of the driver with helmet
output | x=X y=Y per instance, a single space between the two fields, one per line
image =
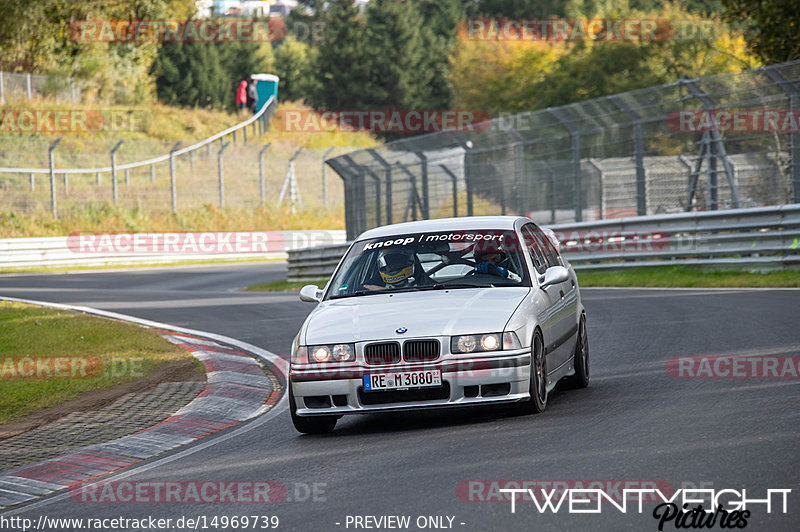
x=490 y=259
x=396 y=269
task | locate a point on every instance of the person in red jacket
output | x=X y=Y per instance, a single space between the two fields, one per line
x=241 y=95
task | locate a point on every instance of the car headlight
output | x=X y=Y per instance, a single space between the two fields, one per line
x=320 y=354
x=476 y=343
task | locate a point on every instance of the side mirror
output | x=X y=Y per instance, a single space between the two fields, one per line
x=553 y=275
x=311 y=293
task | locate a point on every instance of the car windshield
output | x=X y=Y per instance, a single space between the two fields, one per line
x=429 y=261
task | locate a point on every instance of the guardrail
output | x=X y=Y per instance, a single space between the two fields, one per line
x=315 y=263
x=157 y=248
x=763 y=238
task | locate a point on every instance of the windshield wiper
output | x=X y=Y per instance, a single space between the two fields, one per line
x=354 y=294
x=447 y=286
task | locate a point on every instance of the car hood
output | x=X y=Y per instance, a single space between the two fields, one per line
x=430 y=313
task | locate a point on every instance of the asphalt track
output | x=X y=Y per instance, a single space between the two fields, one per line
x=635 y=422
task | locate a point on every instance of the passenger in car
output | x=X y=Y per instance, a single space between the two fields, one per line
x=490 y=259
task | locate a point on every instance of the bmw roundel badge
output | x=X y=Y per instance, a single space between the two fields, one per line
x=400 y=330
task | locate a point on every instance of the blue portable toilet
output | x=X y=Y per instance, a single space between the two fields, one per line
x=267 y=87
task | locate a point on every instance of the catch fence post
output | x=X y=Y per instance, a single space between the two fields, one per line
x=172 y=176
x=51 y=158
x=114 y=170
x=219 y=174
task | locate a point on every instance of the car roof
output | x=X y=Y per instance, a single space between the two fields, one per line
x=444 y=224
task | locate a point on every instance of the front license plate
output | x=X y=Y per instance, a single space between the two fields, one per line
x=402 y=379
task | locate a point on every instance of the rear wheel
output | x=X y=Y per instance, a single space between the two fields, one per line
x=310 y=424
x=538 y=381
x=581 y=359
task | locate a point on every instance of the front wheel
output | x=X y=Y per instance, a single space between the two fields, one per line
x=581 y=359
x=311 y=424
x=538 y=382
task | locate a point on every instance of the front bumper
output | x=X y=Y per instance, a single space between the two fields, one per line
x=496 y=378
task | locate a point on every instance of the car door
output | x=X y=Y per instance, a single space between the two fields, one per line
x=562 y=298
x=569 y=293
x=549 y=316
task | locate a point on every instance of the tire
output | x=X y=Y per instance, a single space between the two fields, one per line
x=538 y=381
x=581 y=359
x=311 y=424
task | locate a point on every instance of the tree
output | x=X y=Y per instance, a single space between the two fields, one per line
x=395 y=77
x=190 y=74
x=525 y=76
x=293 y=62
x=772 y=27
x=594 y=72
x=301 y=20
x=37 y=37
x=240 y=59
x=438 y=33
x=576 y=8
x=517 y=8
x=206 y=74
x=501 y=78
x=341 y=63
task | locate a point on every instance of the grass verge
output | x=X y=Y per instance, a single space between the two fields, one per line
x=283 y=286
x=104 y=218
x=683 y=276
x=71 y=354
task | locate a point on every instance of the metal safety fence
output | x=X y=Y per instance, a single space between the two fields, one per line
x=762 y=238
x=717 y=142
x=24 y=86
x=233 y=168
